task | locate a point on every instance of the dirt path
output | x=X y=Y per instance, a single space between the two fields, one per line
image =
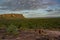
x=33 y=35
x=50 y=32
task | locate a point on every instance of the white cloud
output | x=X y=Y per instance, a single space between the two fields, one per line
x=3 y=7
x=55 y=13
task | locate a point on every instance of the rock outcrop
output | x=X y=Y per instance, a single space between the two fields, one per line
x=11 y=16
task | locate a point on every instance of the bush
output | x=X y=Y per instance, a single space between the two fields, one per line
x=12 y=29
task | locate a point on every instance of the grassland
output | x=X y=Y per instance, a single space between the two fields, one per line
x=32 y=23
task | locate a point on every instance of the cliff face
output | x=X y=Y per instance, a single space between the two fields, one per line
x=12 y=16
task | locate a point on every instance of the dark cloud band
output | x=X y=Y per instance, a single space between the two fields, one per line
x=26 y=4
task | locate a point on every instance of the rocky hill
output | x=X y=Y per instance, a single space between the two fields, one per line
x=11 y=16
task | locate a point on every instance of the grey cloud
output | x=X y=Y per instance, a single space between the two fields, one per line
x=23 y=4
x=54 y=13
x=26 y=4
x=49 y=10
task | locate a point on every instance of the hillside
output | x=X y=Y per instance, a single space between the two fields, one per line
x=11 y=16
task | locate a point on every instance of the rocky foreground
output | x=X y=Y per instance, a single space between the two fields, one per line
x=31 y=34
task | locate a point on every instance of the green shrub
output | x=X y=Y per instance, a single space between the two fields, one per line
x=12 y=29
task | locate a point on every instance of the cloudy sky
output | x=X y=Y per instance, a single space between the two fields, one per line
x=31 y=8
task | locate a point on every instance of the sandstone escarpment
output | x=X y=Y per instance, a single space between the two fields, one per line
x=11 y=16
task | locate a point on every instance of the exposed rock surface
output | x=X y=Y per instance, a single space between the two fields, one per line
x=33 y=35
x=11 y=16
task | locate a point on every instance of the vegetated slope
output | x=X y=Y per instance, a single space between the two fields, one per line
x=11 y=16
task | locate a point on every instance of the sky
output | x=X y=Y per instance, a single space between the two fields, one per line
x=31 y=8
